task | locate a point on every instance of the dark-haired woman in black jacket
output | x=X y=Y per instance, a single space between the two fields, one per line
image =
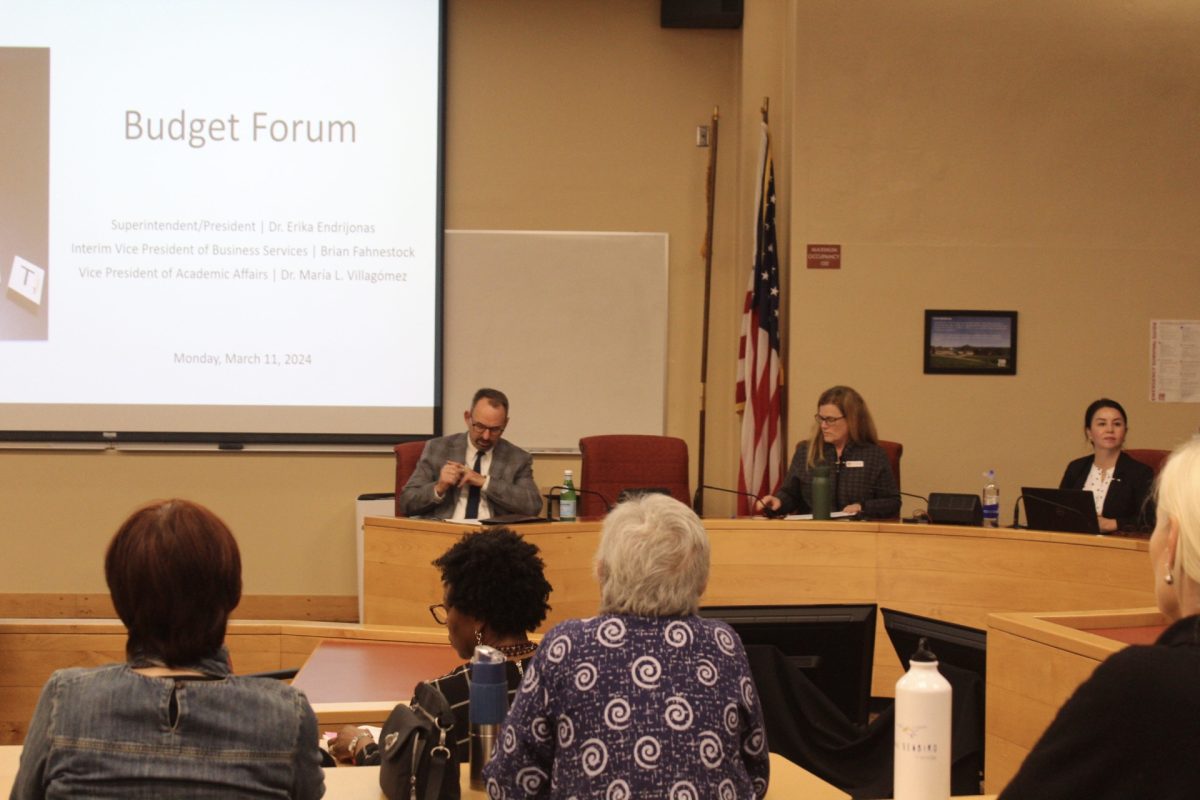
x=1120 y=483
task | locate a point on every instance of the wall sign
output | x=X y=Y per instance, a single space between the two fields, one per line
x=824 y=256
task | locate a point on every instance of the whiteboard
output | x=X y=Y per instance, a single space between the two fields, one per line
x=571 y=326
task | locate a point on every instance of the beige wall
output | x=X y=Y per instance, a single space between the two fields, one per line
x=582 y=116
x=1022 y=155
x=1018 y=154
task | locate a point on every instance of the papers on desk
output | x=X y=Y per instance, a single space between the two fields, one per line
x=834 y=515
x=502 y=519
x=512 y=519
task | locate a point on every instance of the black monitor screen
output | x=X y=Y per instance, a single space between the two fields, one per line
x=957 y=645
x=833 y=644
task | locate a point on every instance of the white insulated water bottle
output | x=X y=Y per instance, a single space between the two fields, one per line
x=922 y=746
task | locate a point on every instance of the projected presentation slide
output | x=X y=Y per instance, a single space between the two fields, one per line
x=219 y=216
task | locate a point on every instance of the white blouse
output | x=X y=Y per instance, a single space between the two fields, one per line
x=1097 y=483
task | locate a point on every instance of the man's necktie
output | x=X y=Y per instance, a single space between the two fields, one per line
x=473 y=494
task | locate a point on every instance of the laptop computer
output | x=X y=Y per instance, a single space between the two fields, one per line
x=1065 y=510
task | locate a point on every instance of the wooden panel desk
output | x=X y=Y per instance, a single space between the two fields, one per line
x=953 y=573
x=788 y=781
x=1035 y=662
x=10 y=760
x=361 y=682
x=31 y=649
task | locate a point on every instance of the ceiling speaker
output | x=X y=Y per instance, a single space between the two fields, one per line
x=701 y=13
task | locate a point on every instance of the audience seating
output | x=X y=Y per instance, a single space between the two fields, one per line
x=407 y=456
x=616 y=462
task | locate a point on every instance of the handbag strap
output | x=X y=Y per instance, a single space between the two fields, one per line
x=439 y=756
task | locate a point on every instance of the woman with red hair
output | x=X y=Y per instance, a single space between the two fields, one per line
x=173 y=720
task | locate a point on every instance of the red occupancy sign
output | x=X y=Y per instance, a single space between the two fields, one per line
x=824 y=256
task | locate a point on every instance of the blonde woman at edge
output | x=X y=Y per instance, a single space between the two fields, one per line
x=1133 y=728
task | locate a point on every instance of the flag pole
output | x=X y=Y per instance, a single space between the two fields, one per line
x=710 y=190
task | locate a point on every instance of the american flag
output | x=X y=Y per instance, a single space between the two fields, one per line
x=759 y=372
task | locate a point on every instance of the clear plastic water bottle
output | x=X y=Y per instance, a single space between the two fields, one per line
x=568 y=500
x=991 y=500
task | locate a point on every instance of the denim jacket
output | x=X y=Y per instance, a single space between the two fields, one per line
x=110 y=732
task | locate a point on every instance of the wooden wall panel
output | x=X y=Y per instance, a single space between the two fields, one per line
x=30 y=650
x=945 y=572
x=58 y=605
x=1036 y=662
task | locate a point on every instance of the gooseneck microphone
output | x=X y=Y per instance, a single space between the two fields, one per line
x=555 y=491
x=755 y=505
x=1016 y=523
x=922 y=498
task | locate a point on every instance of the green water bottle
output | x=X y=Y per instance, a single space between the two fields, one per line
x=822 y=492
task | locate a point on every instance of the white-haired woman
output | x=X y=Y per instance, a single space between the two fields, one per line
x=1133 y=728
x=647 y=699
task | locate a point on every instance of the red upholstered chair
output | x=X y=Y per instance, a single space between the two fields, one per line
x=616 y=462
x=1154 y=459
x=894 y=450
x=407 y=456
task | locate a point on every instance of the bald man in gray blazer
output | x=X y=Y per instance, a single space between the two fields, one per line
x=479 y=460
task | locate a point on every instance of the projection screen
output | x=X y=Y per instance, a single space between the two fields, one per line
x=220 y=221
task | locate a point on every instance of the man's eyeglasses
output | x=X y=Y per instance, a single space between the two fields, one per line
x=480 y=428
x=438 y=610
x=826 y=420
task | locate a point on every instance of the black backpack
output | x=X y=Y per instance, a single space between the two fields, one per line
x=417 y=759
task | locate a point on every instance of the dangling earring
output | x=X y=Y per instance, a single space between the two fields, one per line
x=1168 y=578
x=478 y=636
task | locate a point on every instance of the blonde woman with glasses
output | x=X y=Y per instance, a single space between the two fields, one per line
x=843 y=437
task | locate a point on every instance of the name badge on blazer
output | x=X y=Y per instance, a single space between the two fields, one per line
x=858 y=464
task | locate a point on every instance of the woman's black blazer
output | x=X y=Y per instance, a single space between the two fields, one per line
x=1128 y=500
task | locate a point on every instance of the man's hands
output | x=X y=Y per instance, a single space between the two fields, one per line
x=455 y=474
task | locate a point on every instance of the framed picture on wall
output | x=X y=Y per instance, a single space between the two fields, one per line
x=970 y=342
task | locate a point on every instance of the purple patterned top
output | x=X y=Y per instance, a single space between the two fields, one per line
x=620 y=707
